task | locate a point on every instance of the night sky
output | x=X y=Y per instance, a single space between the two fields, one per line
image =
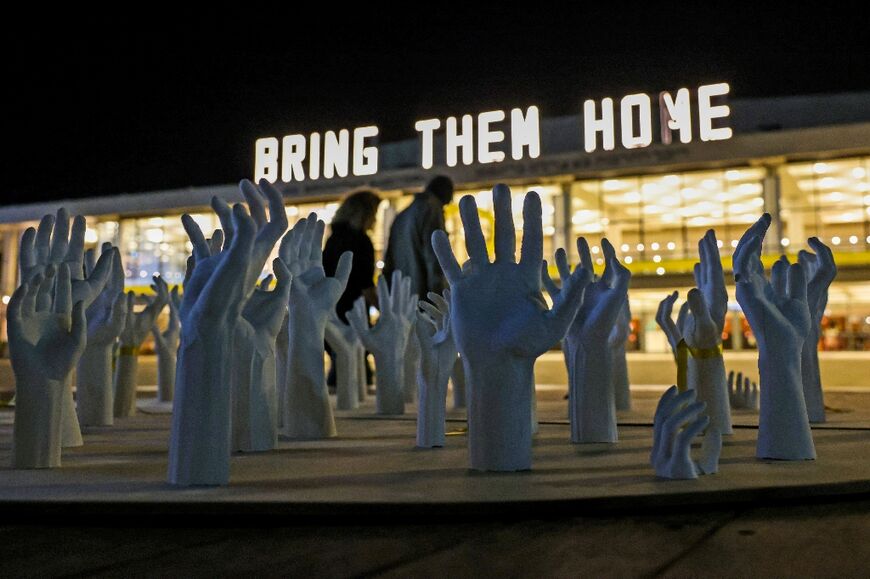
x=157 y=100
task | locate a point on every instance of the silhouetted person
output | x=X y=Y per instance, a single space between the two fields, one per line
x=410 y=245
x=349 y=232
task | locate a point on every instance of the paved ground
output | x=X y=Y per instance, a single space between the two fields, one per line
x=368 y=503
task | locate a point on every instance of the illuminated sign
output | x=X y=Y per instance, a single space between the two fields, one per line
x=486 y=137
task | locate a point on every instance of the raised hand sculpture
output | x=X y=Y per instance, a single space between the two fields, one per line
x=350 y=366
x=106 y=317
x=743 y=393
x=166 y=346
x=677 y=422
x=820 y=271
x=254 y=375
x=412 y=364
x=501 y=324
x=387 y=339
x=136 y=328
x=437 y=358
x=223 y=277
x=47 y=335
x=617 y=339
x=313 y=295
x=700 y=323
x=778 y=313
x=591 y=399
x=53 y=243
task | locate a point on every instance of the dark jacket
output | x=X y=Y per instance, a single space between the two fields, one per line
x=345 y=238
x=409 y=249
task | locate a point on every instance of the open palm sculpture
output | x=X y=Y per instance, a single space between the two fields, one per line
x=223 y=276
x=501 y=325
x=780 y=319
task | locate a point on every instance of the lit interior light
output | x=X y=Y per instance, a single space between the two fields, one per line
x=549 y=230
x=672 y=180
x=853 y=239
x=5 y=300
x=91 y=235
x=651 y=188
x=380 y=264
x=548 y=209
x=625 y=247
x=827 y=183
x=721 y=197
x=292 y=211
x=749 y=188
x=820 y=168
x=605 y=221
x=757 y=202
x=599 y=261
x=660 y=271
x=732 y=175
x=733 y=243
x=690 y=193
x=654 y=246
x=657 y=258
x=866 y=199
x=863 y=187
x=835 y=196
x=628 y=259
x=835 y=240
x=631 y=197
x=867 y=320
x=710 y=183
x=640 y=247
x=859 y=172
x=595 y=249
x=719 y=243
x=717 y=214
x=612 y=185
x=143 y=273
x=785 y=242
x=671 y=200
x=671 y=245
x=154 y=235
x=868 y=239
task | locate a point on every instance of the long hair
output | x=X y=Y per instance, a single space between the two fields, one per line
x=358 y=210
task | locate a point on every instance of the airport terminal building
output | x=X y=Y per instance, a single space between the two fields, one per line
x=804 y=159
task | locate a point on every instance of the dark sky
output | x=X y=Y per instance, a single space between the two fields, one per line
x=148 y=101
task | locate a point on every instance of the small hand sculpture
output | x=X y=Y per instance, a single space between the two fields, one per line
x=221 y=280
x=166 y=346
x=313 y=295
x=254 y=374
x=349 y=363
x=743 y=393
x=44 y=345
x=820 y=270
x=677 y=422
x=778 y=313
x=106 y=317
x=591 y=399
x=53 y=243
x=136 y=328
x=501 y=324
x=387 y=339
x=616 y=340
x=437 y=357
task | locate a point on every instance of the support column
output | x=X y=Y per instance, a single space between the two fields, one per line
x=771 y=192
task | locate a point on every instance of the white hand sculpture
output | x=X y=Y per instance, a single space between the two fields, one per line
x=221 y=281
x=387 y=339
x=254 y=375
x=166 y=346
x=501 y=324
x=677 y=422
x=44 y=346
x=282 y=344
x=618 y=337
x=457 y=380
x=53 y=243
x=437 y=358
x=136 y=328
x=307 y=412
x=591 y=399
x=349 y=361
x=412 y=364
x=106 y=317
x=710 y=279
x=780 y=319
x=820 y=270
x=743 y=393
